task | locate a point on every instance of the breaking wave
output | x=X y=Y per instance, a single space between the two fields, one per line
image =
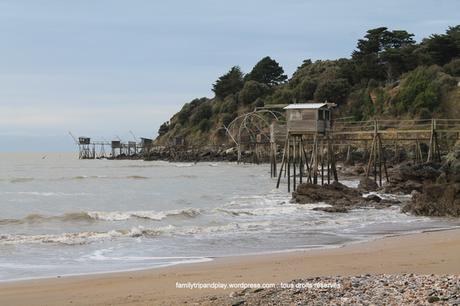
x=80 y=238
x=132 y=177
x=21 y=179
x=104 y=216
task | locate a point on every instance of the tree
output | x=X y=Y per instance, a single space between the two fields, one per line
x=251 y=91
x=439 y=49
x=267 y=71
x=384 y=54
x=229 y=83
x=332 y=90
x=164 y=128
x=305 y=90
x=204 y=111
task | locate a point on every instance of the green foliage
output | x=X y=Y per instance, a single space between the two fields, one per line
x=440 y=49
x=332 y=90
x=388 y=74
x=164 y=128
x=305 y=90
x=227 y=119
x=267 y=71
x=422 y=88
x=384 y=54
x=229 y=105
x=204 y=125
x=453 y=68
x=229 y=83
x=251 y=91
x=281 y=96
x=203 y=111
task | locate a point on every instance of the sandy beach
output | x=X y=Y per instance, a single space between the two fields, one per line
x=435 y=252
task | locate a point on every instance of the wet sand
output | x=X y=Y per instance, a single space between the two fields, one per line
x=425 y=253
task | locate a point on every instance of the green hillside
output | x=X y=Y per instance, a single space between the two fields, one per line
x=388 y=75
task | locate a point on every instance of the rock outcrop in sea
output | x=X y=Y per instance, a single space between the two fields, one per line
x=340 y=197
x=439 y=192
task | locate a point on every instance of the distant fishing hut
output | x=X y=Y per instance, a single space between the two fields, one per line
x=86 y=151
x=308 y=145
x=116 y=144
x=146 y=144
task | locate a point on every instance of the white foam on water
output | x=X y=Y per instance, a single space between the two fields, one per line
x=152 y=215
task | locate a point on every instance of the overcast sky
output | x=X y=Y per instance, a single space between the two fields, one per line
x=104 y=67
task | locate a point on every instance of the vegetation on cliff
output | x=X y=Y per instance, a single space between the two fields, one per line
x=388 y=75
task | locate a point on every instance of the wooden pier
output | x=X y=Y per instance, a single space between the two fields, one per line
x=312 y=154
x=115 y=149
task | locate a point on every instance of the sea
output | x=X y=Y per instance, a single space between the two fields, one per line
x=63 y=216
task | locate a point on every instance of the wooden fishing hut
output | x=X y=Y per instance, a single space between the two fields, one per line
x=146 y=145
x=86 y=150
x=116 y=144
x=308 y=147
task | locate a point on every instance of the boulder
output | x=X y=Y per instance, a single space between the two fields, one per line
x=334 y=193
x=367 y=184
x=436 y=200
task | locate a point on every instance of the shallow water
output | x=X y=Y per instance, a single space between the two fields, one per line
x=60 y=215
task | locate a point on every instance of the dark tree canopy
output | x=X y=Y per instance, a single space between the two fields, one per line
x=164 y=128
x=229 y=83
x=267 y=71
x=384 y=54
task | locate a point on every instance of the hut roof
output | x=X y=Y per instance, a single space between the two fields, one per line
x=306 y=106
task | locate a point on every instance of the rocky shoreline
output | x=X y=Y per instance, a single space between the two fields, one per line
x=382 y=289
x=434 y=189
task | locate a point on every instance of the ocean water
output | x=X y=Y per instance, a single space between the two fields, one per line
x=63 y=216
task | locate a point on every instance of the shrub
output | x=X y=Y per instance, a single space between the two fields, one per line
x=229 y=105
x=332 y=90
x=204 y=125
x=453 y=68
x=227 y=119
x=204 y=111
x=422 y=88
x=251 y=91
x=305 y=90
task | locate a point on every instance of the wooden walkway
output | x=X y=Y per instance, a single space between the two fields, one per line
x=312 y=155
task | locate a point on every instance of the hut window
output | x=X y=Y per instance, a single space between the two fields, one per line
x=321 y=115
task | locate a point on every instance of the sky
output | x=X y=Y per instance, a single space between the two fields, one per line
x=102 y=68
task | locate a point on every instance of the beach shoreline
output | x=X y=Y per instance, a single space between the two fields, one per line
x=429 y=252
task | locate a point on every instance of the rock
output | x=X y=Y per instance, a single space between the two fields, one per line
x=420 y=172
x=238 y=303
x=436 y=200
x=374 y=198
x=433 y=299
x=451 y=166
x=333 y=194
x=367 y=184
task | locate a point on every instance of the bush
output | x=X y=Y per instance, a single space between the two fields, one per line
x=164 y=128
x=204 y=125
x=422 y=88
x=281 y=96
x=251 y=91
x=453 y=68
x=229 y=105
x=227 y=119
x=204 y=111
x=332 y=90
x=305 y=90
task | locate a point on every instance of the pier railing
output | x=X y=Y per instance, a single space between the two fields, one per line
x=396 y=126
